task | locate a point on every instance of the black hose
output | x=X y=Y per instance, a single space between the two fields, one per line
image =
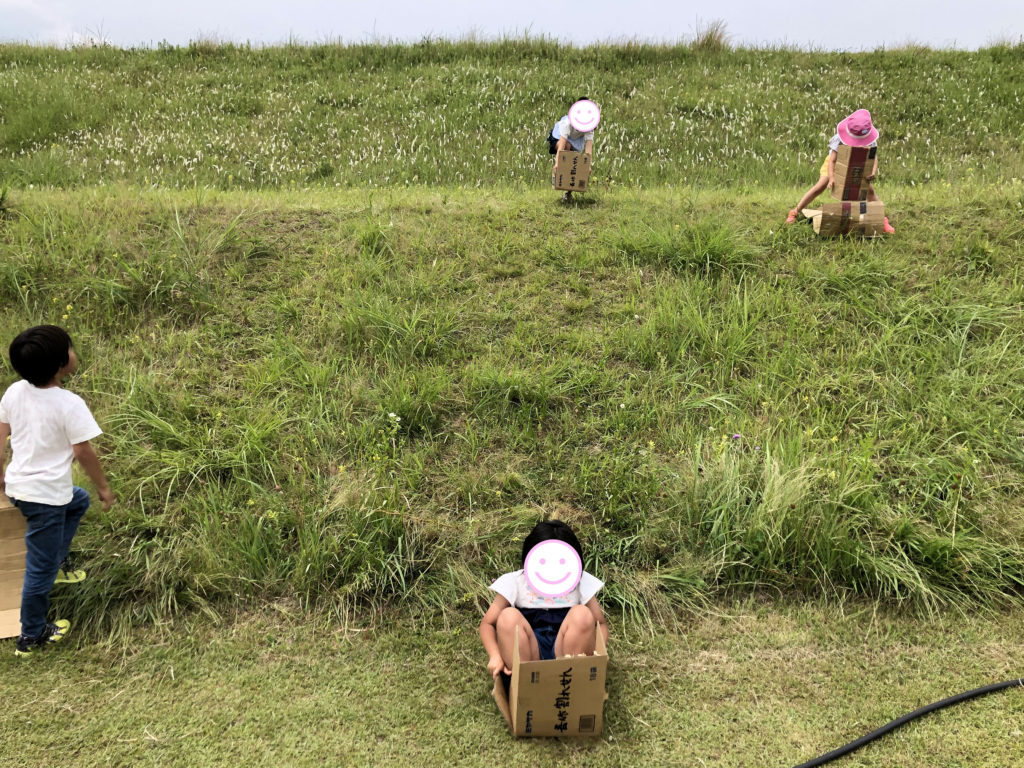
x=855 y=745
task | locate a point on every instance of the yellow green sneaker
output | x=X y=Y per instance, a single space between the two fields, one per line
x=70 y=576
x=53 y=633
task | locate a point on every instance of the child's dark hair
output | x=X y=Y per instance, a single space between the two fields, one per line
x=38 y=353
x=579 y=98
x=551 y=529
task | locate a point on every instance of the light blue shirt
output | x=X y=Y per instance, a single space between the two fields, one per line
x=577 y=139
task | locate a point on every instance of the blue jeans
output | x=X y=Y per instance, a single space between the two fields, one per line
x=50 y=531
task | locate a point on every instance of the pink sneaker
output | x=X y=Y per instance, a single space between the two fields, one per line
x=792 y=216
x=887 y=227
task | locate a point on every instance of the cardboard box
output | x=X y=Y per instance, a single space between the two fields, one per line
x=555 y=697
x=853 y=166
x=572 y=171
x=848 y=218
x=12 y=567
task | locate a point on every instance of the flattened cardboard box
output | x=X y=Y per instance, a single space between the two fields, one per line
x=853 y=166
x=556 y=697
x=848 y=218
x=572 y=171
x=12 y=567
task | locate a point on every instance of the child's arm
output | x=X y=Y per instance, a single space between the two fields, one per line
x=5 y=432
x=90 y=462
x=589 y=147
x=595 y=608
x=489 y=636
x=832 y=169
x=874 y=170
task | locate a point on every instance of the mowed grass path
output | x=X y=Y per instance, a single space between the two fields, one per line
x=749 y=684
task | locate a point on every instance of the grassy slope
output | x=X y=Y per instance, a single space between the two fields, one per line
x=747 y=685
x=367 y=399
x=464 y=114
x=245 y=352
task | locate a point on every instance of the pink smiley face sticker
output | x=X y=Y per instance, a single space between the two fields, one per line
x=584 y=115
x=553 y=568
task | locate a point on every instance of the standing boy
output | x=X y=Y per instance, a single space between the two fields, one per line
x=48 y=428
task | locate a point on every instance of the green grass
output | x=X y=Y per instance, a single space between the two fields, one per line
x=347 y=349
x=748 y=684
x=470 y=113
x=368 y=402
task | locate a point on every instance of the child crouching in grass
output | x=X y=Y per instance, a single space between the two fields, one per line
x=575 y=131
x=49 y=427
x=550 y=603
x=855 y=131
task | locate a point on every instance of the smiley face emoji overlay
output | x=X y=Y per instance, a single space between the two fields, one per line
x=584 y=115
x=553 y=568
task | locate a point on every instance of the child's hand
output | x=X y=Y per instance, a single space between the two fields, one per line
x=107 y=497
x=496 y=665
x=831 y=183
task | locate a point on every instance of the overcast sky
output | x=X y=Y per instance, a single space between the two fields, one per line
x=848 y=26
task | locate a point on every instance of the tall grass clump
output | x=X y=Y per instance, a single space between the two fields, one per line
x=780 y=521
x=705 y=249
x=711 y=37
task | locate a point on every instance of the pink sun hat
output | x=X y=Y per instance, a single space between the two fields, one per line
x=857 y=130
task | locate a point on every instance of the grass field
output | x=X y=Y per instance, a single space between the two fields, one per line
x=343 y=365
x=746 y=684
x=466 y=114
x=370 y=400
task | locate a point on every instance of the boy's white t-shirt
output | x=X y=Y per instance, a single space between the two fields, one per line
x=577 y=139
x=515 y=588
x=835 y=141
x=45 y=424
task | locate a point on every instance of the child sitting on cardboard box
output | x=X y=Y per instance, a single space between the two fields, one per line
x=550 y=602
x=49 y=427
x=575 y=131
x=855 y=130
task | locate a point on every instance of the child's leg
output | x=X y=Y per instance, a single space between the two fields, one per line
x=511 y=621
x=578 y=633
x=43 y=541
x=873 y=198
x=72 y=517
x=812 y=193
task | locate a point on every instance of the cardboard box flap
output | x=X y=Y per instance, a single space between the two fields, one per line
x=10 y=622
x=12 y=567
x=12 y=522
x=849 y=217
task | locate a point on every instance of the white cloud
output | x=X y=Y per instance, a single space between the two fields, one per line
x=34 y=21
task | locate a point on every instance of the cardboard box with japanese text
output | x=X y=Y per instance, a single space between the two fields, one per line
x=12 y=567
x=572 y=171
x=556 y=697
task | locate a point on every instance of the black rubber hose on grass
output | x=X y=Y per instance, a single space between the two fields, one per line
x=853 y=746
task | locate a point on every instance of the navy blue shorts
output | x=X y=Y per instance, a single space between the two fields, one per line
x=545 y=623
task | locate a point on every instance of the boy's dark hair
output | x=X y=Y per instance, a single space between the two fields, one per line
x=38 y=353
x=579 y=98
x=551 y=529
